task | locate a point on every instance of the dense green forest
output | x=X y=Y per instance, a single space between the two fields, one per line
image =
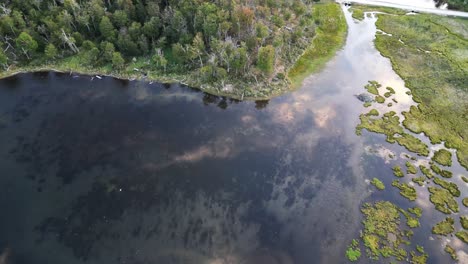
x=227 y=42
x=454 y=4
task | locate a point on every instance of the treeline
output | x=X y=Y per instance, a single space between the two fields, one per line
x=454 y=4
x=218 y=39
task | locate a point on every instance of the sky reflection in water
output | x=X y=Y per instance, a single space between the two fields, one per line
x=110 y=171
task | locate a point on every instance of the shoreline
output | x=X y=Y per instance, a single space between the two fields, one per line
x=313 y=59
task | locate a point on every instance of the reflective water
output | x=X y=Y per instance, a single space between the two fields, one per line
x=111 y=171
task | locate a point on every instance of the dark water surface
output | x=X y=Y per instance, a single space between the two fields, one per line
x=111 y=171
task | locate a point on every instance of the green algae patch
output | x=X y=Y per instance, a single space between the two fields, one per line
x=444 y=227
x=419 y=180
x=372 y=87
x=449 y=186
x=378 y=184
x=441 y=172
x=443 y=157
x=367 y=104
x=353 y=253
x=416 y=211
x=451 y=252
x=418 y=258
x=426 y=171
x=407 y=191
x=380 y=99
x=462 y=235
x=465 y=201
x=373 y=112
x=384 y=236
x=389 y=104
x=465 y=179
x=410 y=168
x=464 y=221
x=390 y=90
x=443 y=200
x=413 y=144
x=398 y=172
x=388 y=124
x=412 y=222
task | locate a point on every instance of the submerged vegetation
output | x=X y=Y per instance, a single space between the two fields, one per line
x=241 y=49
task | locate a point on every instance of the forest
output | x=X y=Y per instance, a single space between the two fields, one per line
x=454 y=4
x=220 y=41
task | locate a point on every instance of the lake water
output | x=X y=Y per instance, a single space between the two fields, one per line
x=112 y=171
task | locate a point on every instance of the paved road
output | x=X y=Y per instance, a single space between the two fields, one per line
x=409 y=7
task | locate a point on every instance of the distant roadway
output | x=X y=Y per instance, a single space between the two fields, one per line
x=408 y=7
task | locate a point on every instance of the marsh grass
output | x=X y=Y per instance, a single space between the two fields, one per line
x=331 y=35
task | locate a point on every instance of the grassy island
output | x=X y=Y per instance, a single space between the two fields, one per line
x=238 y=49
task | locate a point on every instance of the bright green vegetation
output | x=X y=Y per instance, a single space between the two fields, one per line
x=419 y=180
x=443 y=200
x=465 y=179
x=384 y=236
x=372 y=87
x=462 y=235
x=235 y=48
x=451 y=252
x=367 y=104
x=443 y=157
x=445 y=227
x=353 y=252
x=464 y=221
x=398 y=172
x=416 y=211
x=330 y=36
x=358 y=14
x=380 y=99
x=449 y=186
x=418 y=259
x=407 y=191
x=410 y=168
x=378 y=184
x=389 y=125
x=413 y=144
x=373 y=112
x=465 y=201
x=426 y=171
x=441 y=172
x=432 y=62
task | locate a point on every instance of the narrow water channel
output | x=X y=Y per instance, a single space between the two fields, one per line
x=112 y=171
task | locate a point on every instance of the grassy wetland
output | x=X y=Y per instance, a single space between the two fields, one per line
x=429 y=53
